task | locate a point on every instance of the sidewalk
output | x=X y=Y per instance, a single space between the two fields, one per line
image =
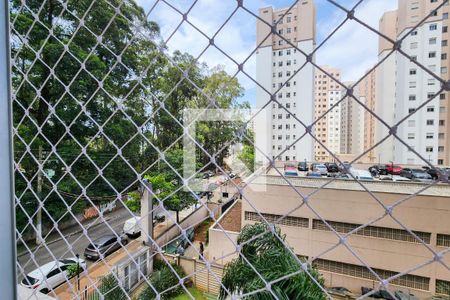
x=67 y=232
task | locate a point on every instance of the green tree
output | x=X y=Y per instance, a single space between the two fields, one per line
x=64 y=79
x=175 y=199
x=270 y=257
x=164 y=279
x=110 y=289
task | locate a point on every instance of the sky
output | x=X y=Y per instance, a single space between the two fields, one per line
x=353 y=49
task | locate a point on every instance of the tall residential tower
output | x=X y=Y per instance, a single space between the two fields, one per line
x=277 y=65
x=403 y=87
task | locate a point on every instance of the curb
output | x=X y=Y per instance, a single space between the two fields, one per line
x=94 y=224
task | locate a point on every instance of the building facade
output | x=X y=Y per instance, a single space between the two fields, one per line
x=327 y=129
x=384 y=245
x=403 y=86
x=285 y=91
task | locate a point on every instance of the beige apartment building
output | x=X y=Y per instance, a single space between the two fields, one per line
x=403 y=86
x=384 y=244
x=327 y=128
x=285 y=91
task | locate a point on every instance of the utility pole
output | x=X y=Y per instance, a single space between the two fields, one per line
x=39 y=192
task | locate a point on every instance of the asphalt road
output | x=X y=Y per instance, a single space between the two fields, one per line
x=72 y=243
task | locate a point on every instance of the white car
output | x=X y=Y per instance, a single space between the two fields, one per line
x=132 y=226
x=361 y=174
x=47 y=277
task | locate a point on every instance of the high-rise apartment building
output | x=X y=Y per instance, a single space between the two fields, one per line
x=327 y=128
x=281 y=83
x=403 y=87
x=367 y=88
x=352 y=122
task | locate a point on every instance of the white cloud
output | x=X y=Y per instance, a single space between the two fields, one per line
x=353 y=48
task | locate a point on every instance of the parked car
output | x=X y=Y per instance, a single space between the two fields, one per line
x=341 y=291
x=343 y=176
x=303 y=166
x=361 y=174
x=433 y=172
x=104 y=245
x=415 y=174
x=377 y=170
x=290 y=170
x=181 y=242
x=400 y=295
x=332 y=167
x=208 y=174
x=380 y=294
x=321 y=168
x=394 y=178
x=313 y=174
x=132 y=227
x=49 y=276
x=393 y=169
x=344 y=166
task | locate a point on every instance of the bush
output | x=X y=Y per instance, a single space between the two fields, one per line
x=163 y=278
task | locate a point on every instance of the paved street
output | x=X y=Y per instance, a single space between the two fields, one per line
x=78 y=242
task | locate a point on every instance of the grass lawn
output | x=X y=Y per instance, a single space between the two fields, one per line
x=198 y=295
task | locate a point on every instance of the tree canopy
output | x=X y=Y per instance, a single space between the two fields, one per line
x=97 y=90
x=270 y=257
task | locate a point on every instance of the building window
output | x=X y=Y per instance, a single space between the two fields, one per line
x=429 y=149
x=288 y=19
x=442 y=287
x=443 y=240
x=412 y=84
x=441 y=149
x=412 y=71
x=432 y=41
x=441 y=136
x=442 y=96
x=432 y=54
x=444 y=43
x=441 y=109
x=445 y=16
x=431 y=81
x=430 y=122
x=288 y=30
x=373 y=231
x=280 y=74
x=440 y=161
x=408 y=280
x=433 y=27
x=444 y=29
x=277 y=219
x=412 y=97
x=443 y=70
x=444 y=56
x=441 y=122
x=430 y=95
x=414 y=32
x=280 y=53
x=411 y=110
x=430 y=109
x=411 y=136
x=430 y=135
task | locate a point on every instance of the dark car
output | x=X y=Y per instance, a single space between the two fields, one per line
x=105 y=245
x=303 y=166
x=344 y=166
x=416 y=174
x=377 y=170
x=332 y=167
x=433 y=172
x=341 y=291
x=380 y=294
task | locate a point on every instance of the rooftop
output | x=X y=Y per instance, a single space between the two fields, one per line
x=231 y=220
x=437 y=189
